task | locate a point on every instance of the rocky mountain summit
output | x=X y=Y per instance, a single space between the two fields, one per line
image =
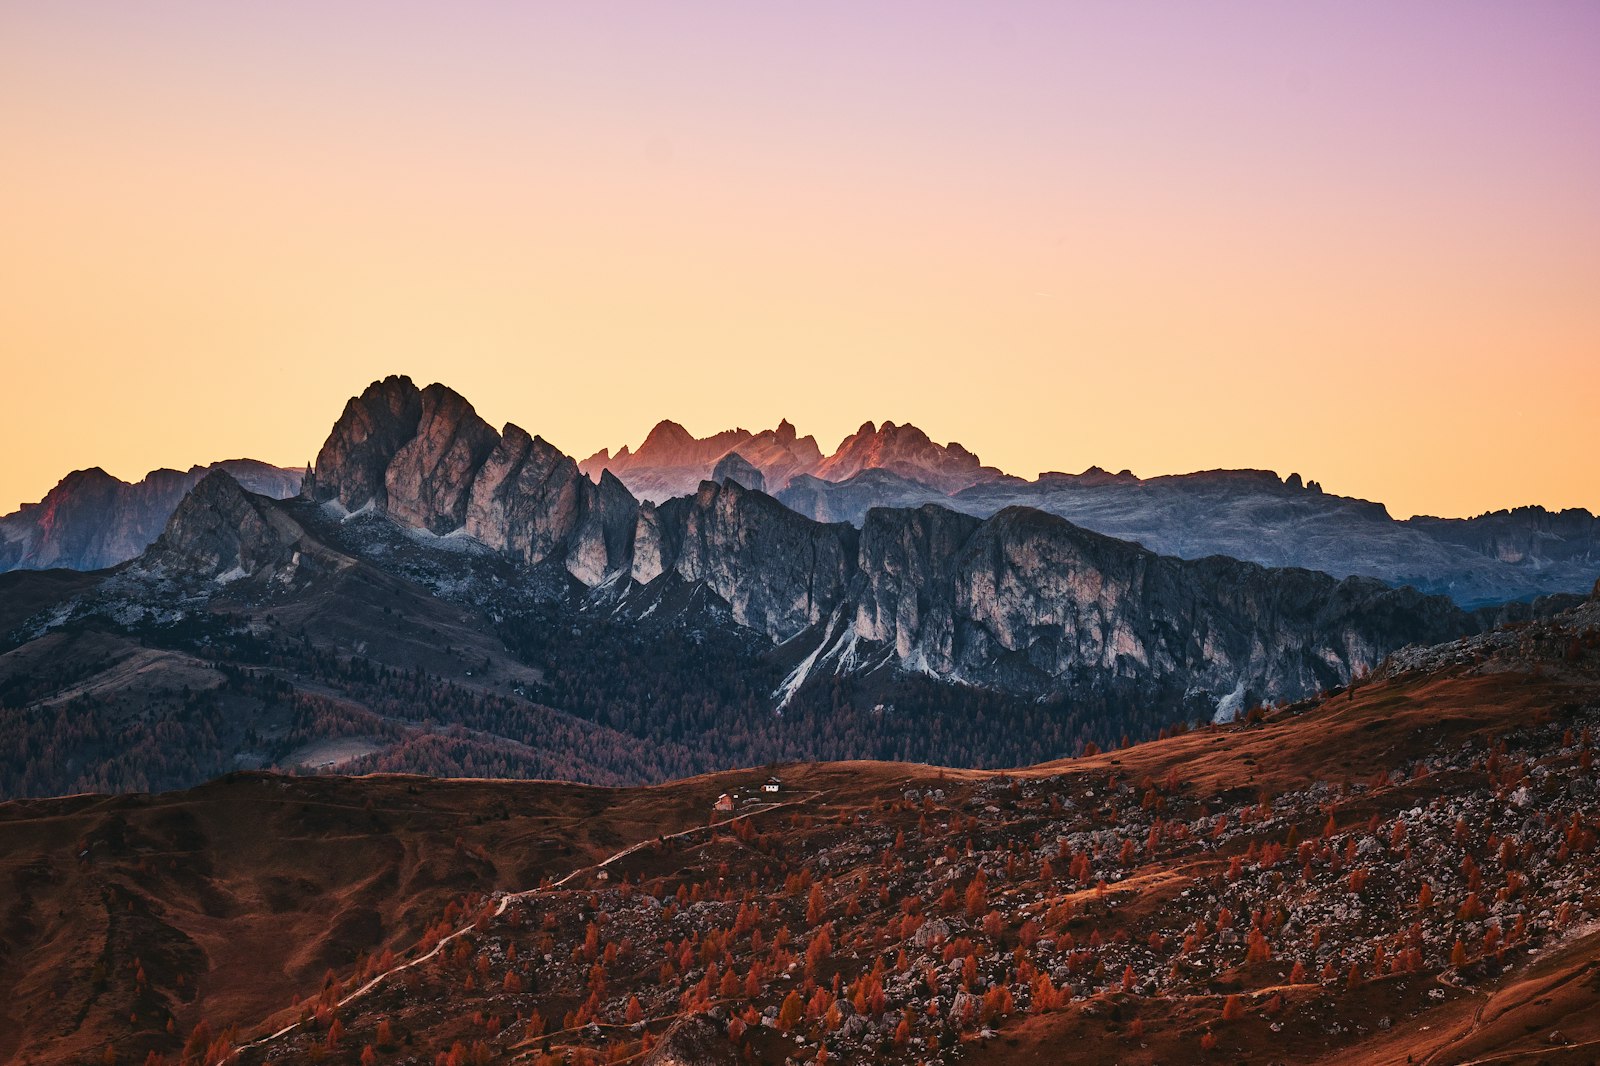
x=92 y=520
x=908 y=452
x=672 y=462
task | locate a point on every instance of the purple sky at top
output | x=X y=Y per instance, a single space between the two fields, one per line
x=1389 y=205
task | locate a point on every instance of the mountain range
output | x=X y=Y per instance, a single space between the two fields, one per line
x=1253 y=515
x=1023 y=599
x=91 y=521
x=555 y=625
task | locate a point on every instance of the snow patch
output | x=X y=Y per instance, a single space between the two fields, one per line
x=837 y=647
x=1230 y=706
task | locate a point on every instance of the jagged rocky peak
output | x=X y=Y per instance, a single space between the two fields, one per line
x=375 y=425
x=908 y=451
x=221 y=530
x=672 y=461
x=735 y=467
x=669 y=441
x=94 y=479
x=667 y=446
x=426 y=459
x=602 y=544
x=528 y=497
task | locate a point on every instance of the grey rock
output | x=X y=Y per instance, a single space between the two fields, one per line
x=91 y=520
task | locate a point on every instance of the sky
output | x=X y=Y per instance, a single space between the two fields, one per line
x=1355 y=240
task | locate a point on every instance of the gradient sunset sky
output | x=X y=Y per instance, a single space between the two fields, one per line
x=1356 y=240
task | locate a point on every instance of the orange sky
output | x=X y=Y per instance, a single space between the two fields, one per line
x=1346 y=240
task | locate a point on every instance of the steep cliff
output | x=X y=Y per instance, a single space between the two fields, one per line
x=429 y=479
x=1257 y=516
x=778 y=571
x=354 y=461
x=735 y=467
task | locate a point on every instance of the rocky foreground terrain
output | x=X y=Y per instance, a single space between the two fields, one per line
x=1400 y=872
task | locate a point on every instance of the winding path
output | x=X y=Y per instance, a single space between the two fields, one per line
x=512 y=897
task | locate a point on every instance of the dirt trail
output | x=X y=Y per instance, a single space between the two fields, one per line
x=513 y=897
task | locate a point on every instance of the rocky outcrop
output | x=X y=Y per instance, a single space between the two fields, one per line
x=222 y=531
x=603 y=544
x=1020 y=599
x=92 y=520
x=527 y=498
x=1026 y=599
x=672 y=461
x=906 y=599
x=1527 y=537
x=734 y=467
x=1256 y=516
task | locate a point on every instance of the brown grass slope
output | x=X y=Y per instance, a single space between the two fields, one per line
x=229 y=904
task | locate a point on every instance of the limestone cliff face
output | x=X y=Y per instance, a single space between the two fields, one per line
x=1253 y=515
x=92 y=520
x=603 y=543
x=429 y=480
x=354 y=461
x=735 y=467
x=1026 y=593
x=908 y=564
x=778 y=571
x=527 y=498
